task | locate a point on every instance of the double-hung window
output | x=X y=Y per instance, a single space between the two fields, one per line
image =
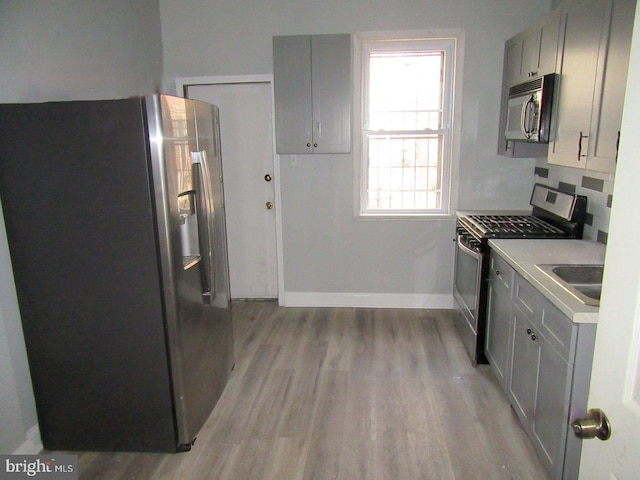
x=407 y=92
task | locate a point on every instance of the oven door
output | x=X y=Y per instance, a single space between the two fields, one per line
x=468 y=273
x=467 y=290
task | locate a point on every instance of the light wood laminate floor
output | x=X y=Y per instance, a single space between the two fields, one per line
x=345 y=393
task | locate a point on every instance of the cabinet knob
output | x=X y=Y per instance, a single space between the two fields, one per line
x=315 y=145
x=309 y=144
x=498 y=272
x=534 y=337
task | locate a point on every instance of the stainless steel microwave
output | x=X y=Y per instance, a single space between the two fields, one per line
x=529 y=108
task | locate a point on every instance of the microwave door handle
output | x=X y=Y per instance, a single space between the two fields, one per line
x=526 y=126
x=523 y=113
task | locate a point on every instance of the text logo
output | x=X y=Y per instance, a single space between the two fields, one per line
x=50 y=467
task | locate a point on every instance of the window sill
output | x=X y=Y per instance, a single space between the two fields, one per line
x=406 y=216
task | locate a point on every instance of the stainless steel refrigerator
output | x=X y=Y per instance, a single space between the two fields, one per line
x=114 y=212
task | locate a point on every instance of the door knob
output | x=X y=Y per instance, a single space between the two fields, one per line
x=267 y=178
x=268 y=205
x=595 y=425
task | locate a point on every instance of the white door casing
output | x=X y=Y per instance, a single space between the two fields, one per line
x=247 y=136
x=615 y=380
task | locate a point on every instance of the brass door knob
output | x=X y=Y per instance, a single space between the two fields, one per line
x=595 y=425
x=268 y=205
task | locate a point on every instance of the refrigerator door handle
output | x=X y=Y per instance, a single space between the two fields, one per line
x=201 y=184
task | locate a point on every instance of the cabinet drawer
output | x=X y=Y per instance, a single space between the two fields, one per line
x=557 y=329
x=525 y=297
x=501 y=273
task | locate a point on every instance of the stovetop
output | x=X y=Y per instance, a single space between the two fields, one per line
x=556 y=214
x=510 y=226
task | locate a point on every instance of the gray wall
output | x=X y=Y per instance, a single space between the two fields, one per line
x=325 y=249
x=62 y=50
x=78 y=49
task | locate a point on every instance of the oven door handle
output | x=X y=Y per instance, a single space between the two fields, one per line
x=464 y=248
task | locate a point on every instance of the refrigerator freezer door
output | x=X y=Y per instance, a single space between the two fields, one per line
x=198 y=341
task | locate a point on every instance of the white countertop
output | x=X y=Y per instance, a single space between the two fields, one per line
x=524 y=255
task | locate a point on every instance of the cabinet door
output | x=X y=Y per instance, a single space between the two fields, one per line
x=292 y=90
x=331 y=99
x=548 y=35
x=608 y=116
x=551 y=409
x=513 y=61
x=530 y=53
x=499 y=318
x=523 y=381
x=581 y=68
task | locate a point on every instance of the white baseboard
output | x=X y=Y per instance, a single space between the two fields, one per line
x=366 y=300
x=32 y=444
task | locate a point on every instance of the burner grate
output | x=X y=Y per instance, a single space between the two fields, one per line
x=513 y=226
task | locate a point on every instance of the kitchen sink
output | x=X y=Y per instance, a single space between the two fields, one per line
x=584 y=282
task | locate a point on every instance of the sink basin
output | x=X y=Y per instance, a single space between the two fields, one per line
x=584 y=282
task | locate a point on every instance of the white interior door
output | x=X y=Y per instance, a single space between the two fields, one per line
x=246 y=124
x=615 y=381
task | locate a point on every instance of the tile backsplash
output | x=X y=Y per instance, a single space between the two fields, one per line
x=596 y=186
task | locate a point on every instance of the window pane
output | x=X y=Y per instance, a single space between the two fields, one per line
x=404 y=171
x=405 y=90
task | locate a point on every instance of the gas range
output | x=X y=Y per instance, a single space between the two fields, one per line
x=510 y=226
x=555 y=214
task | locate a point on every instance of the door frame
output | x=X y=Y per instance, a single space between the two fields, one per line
x=182 y=83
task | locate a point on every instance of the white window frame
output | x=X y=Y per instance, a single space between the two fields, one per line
x=448 y=41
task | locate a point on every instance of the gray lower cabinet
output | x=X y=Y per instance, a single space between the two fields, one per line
x=546 y=369
x=499 y=317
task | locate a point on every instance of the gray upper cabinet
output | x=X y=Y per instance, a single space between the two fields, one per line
x=532 y=53
x=592 y=62
x=312 y=83
x=529 y=54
